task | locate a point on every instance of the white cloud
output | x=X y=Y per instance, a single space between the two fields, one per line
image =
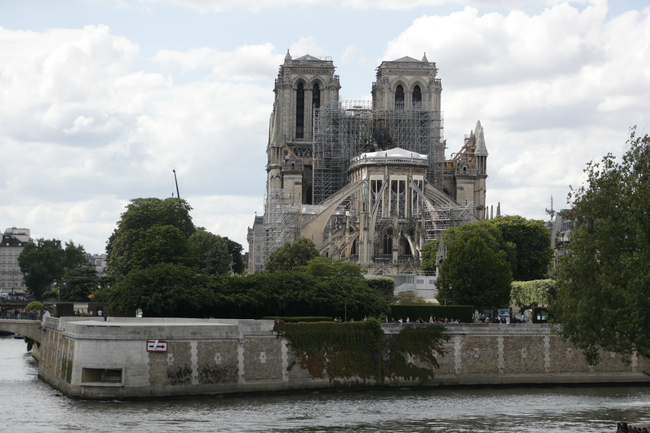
x=553 y=90
x=87 y=132
x=206 y=6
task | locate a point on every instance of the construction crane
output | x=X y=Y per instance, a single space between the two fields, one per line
x=178 y=194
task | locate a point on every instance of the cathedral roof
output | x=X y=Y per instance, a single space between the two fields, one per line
x=396 y=152
x=308 y=57
x=407 y=59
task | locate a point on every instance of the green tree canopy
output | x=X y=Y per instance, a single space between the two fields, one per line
x=291 y=256
x=603 y=293
x=485 y=230
x=164 y=290
x=44 y=261
x=79 y=283
x=161 y=244
x=125 y=246
x=219 y=259
x=532 y=242
x=479 y=276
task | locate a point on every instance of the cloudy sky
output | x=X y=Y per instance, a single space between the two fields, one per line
x=101 y=99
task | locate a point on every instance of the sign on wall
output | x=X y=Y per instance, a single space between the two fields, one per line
x=156 y=346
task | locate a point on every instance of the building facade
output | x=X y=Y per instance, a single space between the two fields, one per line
x=13 y=241
x=365 y=180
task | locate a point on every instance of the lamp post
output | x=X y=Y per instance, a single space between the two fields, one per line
x=450 y=287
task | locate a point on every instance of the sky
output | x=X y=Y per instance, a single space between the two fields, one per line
x=101 y=99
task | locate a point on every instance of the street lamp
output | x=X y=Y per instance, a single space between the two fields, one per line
x=450 y=287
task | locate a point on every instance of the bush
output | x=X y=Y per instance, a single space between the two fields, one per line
x=457 y=312
x=35 y=305
x=385 y=286
x=300 y=319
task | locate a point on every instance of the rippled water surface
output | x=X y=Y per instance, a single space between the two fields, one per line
x=31 y=405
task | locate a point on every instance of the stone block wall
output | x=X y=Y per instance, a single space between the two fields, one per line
x=213 y=357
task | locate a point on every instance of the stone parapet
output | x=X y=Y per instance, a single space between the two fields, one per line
x=146 y=357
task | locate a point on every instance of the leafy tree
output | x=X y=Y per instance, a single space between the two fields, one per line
x=201 y=243
x=291 y=256
x=219 y=259
x=79 y=283
x=532 y=243
x=385 y=286
x=527 y=294
x=603 y=293
x=214 y=254
x=410 y=298
x=485 y=230
x=46 y=260
x=161 y=244
x=235 y=249
x=141 y=215
x=479 y=276
x=164 y=290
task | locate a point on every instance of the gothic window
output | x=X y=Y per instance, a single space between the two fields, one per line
x=315 y=100
x=417 y=97
x=399 y=98
x=300 y=111
x=388 y=241
x=397 y=198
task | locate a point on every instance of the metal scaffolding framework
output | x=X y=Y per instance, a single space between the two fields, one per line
x=280 y=222
x=437 y=219
x=344 y=130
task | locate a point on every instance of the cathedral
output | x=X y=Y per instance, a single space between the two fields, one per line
x=367 y=181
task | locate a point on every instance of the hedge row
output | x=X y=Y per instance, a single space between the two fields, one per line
x=300 y=319
x=456 y=312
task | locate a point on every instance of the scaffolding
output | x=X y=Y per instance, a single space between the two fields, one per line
x=346 y=129
x=280 y=221
x=438 y=218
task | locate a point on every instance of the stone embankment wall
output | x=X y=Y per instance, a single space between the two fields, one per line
x=91 y=358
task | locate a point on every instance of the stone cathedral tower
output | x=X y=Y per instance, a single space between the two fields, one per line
x=303 y=85
x=367 y=181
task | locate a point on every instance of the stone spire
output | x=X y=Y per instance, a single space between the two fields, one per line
x=287 y=58
x=424 y=58
x=481 y=150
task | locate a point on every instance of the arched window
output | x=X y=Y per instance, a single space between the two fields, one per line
x=417 y=97
x=399 y=98
x=388 y=242
x=315 y=100
x=300 y=111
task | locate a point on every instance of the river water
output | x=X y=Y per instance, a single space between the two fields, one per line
x=30 y=405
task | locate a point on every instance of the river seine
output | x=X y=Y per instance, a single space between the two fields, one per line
x=30 y=405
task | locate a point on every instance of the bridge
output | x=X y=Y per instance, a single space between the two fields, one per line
x=28 y=328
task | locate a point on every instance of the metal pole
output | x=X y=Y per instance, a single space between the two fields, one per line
x=178 y=194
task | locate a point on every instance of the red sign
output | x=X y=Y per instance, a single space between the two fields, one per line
x=156 y=346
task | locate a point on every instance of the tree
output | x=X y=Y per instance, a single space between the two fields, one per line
x=235 y=249
x=410 y=298
x=164 y=290
x=532 y=242
x=46 y=260
x=141 y=215
x=291 y=256
x=603 y=291
x=478 y=276
x=485 y=230
x=161 y=244
x=218 y=261
x=79 y=284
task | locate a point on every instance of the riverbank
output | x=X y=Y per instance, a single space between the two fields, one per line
x=38 y=407
x=133 y=358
